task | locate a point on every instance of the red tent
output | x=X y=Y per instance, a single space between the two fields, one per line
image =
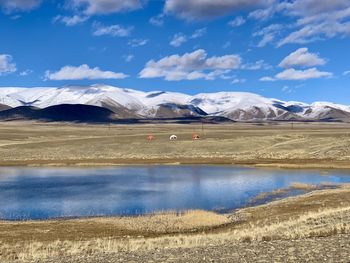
x=195 y=136
x=150 y=138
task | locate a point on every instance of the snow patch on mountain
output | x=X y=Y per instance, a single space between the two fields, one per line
x=233 y=105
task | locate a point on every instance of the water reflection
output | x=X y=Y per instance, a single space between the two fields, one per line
x=38 y=193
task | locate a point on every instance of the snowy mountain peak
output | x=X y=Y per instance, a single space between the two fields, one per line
x=242 y=106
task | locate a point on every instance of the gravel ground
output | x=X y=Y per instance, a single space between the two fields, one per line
x=327 y=249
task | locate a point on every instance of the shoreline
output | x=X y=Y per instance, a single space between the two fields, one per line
x=316 y=214
x=261 y=163
x=307 y=191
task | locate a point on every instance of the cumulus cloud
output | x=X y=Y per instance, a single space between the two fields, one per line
x=70 y=20
x=302 y=57
x=113 y=30
x=19 y=5
x=157 y=20
x=190 y=66
x=137 y=42
x=346 y=73
x=178 y=39
x=98 y=7
x=207 y=9
x=82 y=72
x=238 y=21
x=6 y=64
x=294 y=74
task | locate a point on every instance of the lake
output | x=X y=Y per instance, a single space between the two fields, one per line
x=42 y=193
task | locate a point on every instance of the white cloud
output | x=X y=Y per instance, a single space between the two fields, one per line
x=113 y=30
x=137 y=42
x=309 y=20
x=70 y=20
x=302 y=57
x=199 y=33
x=6 y=64
x=96 y=7
x=190 y=66
x=260 y=64
x=267 y=79
x=129 y=58
x=263 y=14
x=178 y=39
x=208 y=9
x=26 y=72
x=345 y=73
x=19 y=5
x=293 y=74
x=286 y=89
x=82 y=72
x=314 y=32
x=157 y=20
x=268 y=34
x=316 y=20
x=238 y=21
x=238 y=81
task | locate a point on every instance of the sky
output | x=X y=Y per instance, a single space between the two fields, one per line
x=295 y=50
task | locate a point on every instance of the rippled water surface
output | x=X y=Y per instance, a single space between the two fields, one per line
x=40 y=193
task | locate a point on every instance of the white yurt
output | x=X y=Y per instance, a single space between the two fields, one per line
x=173 y=137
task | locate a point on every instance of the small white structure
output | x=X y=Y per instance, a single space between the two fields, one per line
x=173 y=137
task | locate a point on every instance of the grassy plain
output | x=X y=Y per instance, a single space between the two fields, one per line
x=307 y=145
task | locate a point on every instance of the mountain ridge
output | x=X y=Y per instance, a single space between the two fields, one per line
x=129 y=103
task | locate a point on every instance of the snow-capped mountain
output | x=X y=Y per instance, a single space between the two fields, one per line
x=129 y=103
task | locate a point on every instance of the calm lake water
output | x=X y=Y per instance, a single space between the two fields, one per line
x=40 y=193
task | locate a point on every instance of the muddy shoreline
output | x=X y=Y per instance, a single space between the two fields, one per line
x=263 y=163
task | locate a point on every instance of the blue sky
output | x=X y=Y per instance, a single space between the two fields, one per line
x=291 y=50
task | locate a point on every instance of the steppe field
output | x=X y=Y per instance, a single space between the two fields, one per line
x=306 y=145
x=313 y=227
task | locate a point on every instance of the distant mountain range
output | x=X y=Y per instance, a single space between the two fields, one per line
x=101 y=103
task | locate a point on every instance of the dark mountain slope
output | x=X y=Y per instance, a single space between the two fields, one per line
x=64 y=112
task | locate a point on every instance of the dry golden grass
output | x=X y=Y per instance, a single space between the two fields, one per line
x=168 y=222
x=304 y=187
x=306 y=145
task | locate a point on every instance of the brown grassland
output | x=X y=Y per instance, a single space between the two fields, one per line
x=294 y=229
x=306 y=145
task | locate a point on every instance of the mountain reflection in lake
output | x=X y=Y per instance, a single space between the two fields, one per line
x=41 y=193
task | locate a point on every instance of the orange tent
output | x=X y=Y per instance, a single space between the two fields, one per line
x=195 y=136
